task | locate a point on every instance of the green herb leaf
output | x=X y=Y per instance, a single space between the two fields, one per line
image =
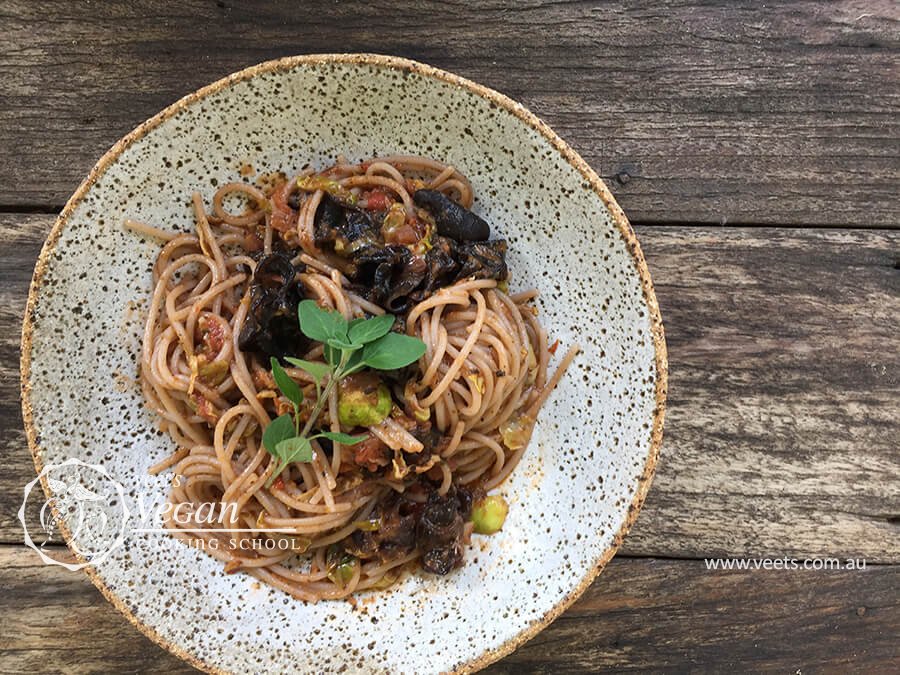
x=321 y=324
x=288 y=387
x=392 y=351
x=278 y=430
x=316 y=370
x=354 y=363
x=355 y=322
x=338 y=437
x=369 y=330
x=296 y=449
x=340 y=343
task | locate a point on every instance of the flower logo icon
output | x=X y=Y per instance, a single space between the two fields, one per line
x=84 y=504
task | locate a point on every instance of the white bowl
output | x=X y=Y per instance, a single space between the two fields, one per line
x=577 y=491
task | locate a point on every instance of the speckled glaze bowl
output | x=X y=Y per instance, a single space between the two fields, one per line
x=585 y=476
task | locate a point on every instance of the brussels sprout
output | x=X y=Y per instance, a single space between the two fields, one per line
x=340 y=566
x=516 y=432
x=488 y=514
x=363 y=400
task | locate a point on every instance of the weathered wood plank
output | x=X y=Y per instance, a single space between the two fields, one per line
x=784 y=397
x=48 y=612
x=21 y=237
x=708 y=112
x=784 y=394
x=644 y=615
x=675 y=616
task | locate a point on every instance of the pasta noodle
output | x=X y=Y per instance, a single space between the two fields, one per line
x=353 y=518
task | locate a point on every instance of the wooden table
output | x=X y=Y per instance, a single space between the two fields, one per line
x=756 y=149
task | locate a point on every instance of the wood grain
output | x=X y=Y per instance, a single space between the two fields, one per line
x=784 y=413
x=640 y=615
x=784 y=394
x=712 y=112
x=21 y=237
x=675 y=616
x=784 y=399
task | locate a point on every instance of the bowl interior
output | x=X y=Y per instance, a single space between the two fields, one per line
x=593 y=448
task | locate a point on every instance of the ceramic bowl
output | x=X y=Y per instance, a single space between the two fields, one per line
x=584 y=477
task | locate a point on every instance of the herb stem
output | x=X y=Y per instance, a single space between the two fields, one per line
x=336 y=375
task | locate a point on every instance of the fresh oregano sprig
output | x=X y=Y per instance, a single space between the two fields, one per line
x=349 y=347
x=283 y=438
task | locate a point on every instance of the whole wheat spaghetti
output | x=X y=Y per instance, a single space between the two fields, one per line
x=390 y=235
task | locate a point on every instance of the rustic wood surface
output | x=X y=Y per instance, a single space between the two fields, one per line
x=706 y=111
x=640 y=615
x=783 y=432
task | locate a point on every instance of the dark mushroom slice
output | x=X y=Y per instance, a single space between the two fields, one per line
x=404 y=282
x=442 y=560
x=338 y=228
x=327 y=221
x=467 y=496
x=452 y=220
x=362 y=544
x=396 y=535
x=274 y=271
x=270 y=327
x=439 y=533
x=481 y=260
x=441 y=265
x=389 y=274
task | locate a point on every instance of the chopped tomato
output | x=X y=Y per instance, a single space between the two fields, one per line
x=414 y=184
x=378 y=200
x=212 y=335
x=405 y=234
x=400 y=228
x=371 y=453
x=278 y=484
x=554 y=347
x=283 y=406
x=284 y=218
x=204 y=408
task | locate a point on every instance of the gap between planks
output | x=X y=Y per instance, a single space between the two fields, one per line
x=8 y=544
x=54 y=210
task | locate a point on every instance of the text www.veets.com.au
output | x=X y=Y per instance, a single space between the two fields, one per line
x=785 y=563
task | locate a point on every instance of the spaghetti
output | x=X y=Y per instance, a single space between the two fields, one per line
x=394 y=235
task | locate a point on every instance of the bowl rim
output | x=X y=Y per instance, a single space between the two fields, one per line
x=407 y=65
